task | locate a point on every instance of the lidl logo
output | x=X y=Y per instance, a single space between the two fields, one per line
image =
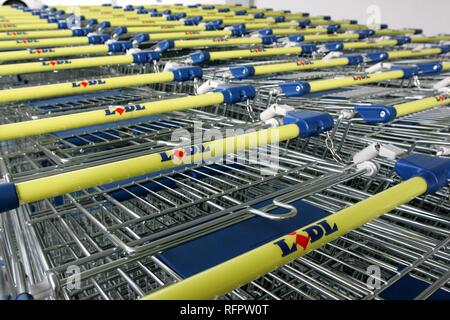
x=303 y=238
x=113 y=110
x=8 y=25
x=219 y=40
x=192 y=32
x=54 y=63
x=180 y=154
x=15 y=33
x=26 y=41
x=88 y=83
x=442 y=98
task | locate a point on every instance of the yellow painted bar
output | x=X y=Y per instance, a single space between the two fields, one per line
x=411 y=54
x=246 y=18
x=298 y=66
x=331 y=37
x=391 y=32
x=404 y=109
x=80 y=87
x=239 y=20
x=446 y=66
x=189 y=35
x=35 y=34
x=111 y=114
x=256 y=52
x=52 y=52
x=422 y=39
x=232 y=274
x=290 y=31
x=216 y=42
x=328 y=84
x=64 y=64
x=369 y=44
x=31 y=26
x=47 y=187
x=42 y=43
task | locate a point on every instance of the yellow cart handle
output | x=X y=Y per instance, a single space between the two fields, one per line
x=298 y=89
x=272 y=25
x=242 y=72
x=391 y=32
x=329 y=84
x=295 y=31
x=382 y=114
x=369 y=44
x=412 y=54
x=27 y=21
x=51 y=186
x=232 y=274
x=86 y=86
x=110 y=114
x=31 y=26
x=30 y=54
x=332 y=37
x=430 y=39
x=138 y=23
x=64 y=64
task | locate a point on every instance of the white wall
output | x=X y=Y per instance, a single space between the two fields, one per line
x=430 y=15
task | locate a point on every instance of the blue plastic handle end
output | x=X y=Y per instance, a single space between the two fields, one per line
x=9 y=198
x=310 y=123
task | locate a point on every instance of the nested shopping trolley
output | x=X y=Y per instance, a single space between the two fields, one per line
x=126 y=244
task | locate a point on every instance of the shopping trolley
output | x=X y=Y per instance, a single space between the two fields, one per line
x=284 y=132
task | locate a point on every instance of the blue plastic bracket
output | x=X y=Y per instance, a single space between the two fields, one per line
x=187 y=73
x=295 y=89
x=376 y=113
x=200 y=57
x=8 y=197
x=242 y=72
